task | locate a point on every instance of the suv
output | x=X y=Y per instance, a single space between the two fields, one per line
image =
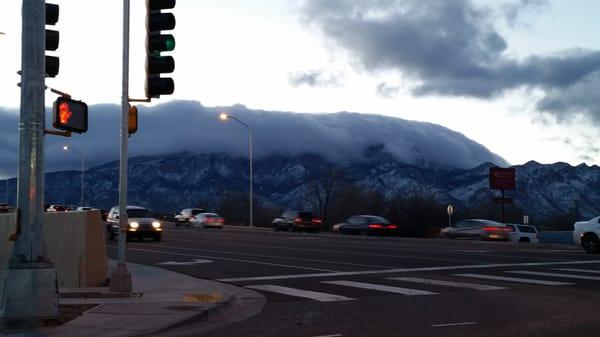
x=586 y=234
x=56 y=208
x=141 y=224
x=523 y=233
x=186 y=215
x=296 y=221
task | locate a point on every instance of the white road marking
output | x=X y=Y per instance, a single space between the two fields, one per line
x=313 y=295
x=447 y=283
x=173 y=263
x=473 y=251
x=336 y=335
x=577 y=277
x=514 y=279
x=590 y=271
x=235 y=260
x=381 y=287
x=453 y=324
x=404 y=270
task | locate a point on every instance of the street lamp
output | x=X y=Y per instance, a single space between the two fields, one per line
x=70 y=148
x=224 y=117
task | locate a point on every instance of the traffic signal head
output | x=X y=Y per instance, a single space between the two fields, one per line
x=156 y=42
x=52 y=39
x=70 y=115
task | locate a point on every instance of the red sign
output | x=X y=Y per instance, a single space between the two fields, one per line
x=502 y=178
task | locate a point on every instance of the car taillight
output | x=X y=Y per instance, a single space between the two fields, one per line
x=221 y=220
x=316 y=221
x=498 y=229
x=297 y=220
x=392 y=227
x=375 y=225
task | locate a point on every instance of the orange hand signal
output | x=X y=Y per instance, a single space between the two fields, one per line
x=64 y=113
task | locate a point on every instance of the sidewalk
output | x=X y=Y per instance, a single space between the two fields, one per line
x=164 y=299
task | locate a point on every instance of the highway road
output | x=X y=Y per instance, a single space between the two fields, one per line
x=343 y=286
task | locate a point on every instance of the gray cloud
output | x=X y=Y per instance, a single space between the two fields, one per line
x=452 y=48
x=386 y=90
x=188 y=126
x=313 y=78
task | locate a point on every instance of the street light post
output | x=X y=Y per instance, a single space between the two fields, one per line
x=70 y=148
x=224 y=117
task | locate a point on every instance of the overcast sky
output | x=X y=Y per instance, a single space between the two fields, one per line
x=520 y=77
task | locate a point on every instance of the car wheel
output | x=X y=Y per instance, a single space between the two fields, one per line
x=590 y=243
x=363 y=232
x=157 y=238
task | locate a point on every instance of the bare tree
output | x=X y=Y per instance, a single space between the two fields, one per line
x=324 y=191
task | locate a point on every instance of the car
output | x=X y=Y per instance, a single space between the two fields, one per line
x=477 y=229
x=85 y=208
x=523 y=233
x=141 y=224
x=297 y=221
x=4 y=207
x=184 y=217
x=56 y=208
x=207 y=220
x=586 y=234
x=365 y=225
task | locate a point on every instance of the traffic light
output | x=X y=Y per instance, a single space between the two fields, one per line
x=70 y=115
x=156 y=42
x=52 y=38
x=133 y=120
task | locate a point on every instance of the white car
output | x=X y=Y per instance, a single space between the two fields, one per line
x=586 y=233
x=206 y=220
x=141 y=224
x=523 y=233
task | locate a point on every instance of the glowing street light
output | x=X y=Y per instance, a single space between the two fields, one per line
x=224 y=116
x=70 y=148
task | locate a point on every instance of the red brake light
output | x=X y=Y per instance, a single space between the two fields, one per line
x=375 y=225
x=499 y=229
x=221 y=220
x=297 y=220
x=316 y=221
x=392 y=227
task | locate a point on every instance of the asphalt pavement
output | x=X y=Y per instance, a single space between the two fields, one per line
x=339 y=285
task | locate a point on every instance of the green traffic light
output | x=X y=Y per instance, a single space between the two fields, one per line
x=170 y=44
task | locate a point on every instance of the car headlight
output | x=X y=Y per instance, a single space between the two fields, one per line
x=156 y=224
x=134 y=225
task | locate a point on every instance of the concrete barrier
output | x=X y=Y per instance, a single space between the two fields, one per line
x=561 y=237
x=76 y=245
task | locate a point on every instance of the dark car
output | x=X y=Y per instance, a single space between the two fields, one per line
x=297 y=221
x=477 y=229
x=4 y=207
x=365 y=225
x=141 y=224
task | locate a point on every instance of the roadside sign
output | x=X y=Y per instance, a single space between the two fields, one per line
x=450 y=210
x=502 y=178
x=525 y=219
x=70 y=115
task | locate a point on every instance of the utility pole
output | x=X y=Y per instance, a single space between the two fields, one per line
x=29 y=285
x=120 y=280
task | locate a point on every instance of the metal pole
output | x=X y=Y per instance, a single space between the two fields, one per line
x=29 y=284
x=502 y=206
x=121 y=278
x=251 y=178
x=82 y=177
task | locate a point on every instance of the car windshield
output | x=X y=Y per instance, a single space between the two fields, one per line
x=305 y=215
x=139 y=213
x=377 y=219
x=197 y=211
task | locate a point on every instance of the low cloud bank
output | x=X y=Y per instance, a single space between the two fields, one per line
x=188 y=126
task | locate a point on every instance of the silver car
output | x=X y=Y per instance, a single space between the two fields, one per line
x=477 y=229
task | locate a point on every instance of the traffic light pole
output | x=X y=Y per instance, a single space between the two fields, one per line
x=28 y=288
x=120 y=280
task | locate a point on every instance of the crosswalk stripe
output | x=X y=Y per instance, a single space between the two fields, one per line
x=447 y=283
x=380 y=287
x=579 y=270
x=578 y=277
x=313 y=295
x=514 y=279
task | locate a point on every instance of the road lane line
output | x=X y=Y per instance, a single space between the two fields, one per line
x=514 y=279
x=577 y=277
x=590 y=271
x=403 y=270
x=313 y=295
x=453 y=324
x=336 y=335
x=447 y=283
x=381 y=287
x=235 y=260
